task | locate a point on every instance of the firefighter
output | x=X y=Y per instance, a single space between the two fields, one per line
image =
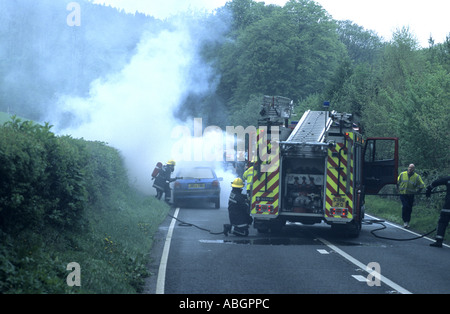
x=238 y=211
x=444 y=218
x=162 y=181
x=248 y=177
x=409 y=183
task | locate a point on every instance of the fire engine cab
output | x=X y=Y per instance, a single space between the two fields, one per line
x=319 y=169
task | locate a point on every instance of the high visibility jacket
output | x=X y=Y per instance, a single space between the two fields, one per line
x=248 y=177
x=409 y=184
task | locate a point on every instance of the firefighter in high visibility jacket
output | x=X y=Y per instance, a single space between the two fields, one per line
x=238 y=211
x=444 y=218
x=408 y=184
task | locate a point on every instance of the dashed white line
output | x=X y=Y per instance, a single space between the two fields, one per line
x=160 y=282
x=363 y=267
x=360 y=278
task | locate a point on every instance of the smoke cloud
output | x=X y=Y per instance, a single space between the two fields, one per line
x=133 y=109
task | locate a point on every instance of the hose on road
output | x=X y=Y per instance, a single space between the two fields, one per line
x=187 y=224
x=383 y=226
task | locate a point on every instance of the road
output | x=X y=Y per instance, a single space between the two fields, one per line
x=299 y=260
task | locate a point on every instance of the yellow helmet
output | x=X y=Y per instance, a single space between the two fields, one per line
x=171 y=162
x=237 y=183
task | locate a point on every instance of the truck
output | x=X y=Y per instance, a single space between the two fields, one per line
x=316 y=170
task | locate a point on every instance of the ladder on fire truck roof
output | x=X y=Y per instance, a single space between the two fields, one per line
x=311 y=128
x=276 y=109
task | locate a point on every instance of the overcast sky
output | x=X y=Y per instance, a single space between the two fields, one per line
x=424 y=18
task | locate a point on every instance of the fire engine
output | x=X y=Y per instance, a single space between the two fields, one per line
x=316 y=170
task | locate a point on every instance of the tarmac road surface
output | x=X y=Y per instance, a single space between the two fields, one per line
x=300 y=259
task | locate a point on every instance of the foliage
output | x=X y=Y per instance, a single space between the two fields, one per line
x=363 y=46
x=64 y=200
x=245 y=115
x=404 y=93
x=41 y=178
x=292 y=51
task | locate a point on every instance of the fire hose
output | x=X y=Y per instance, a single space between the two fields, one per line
x=187 y=224
x=383 y=226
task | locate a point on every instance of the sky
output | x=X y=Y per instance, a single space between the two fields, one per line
x=424 y=18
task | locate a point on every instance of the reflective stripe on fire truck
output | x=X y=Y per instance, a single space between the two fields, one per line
x=265 y=185
x=340 y=205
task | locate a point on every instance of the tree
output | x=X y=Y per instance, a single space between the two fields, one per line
x=293 y=51
x=410 y=101
x=245 y=13
x=363 y=46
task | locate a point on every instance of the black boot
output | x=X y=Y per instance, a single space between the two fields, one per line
x=240 y=231
x=226 y=229
x=438 y=243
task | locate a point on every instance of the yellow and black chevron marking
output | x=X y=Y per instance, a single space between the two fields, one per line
x=339 y=186
x=266 y=179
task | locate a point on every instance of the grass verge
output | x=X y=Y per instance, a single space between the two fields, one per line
x=112 y=251
x=425 y=214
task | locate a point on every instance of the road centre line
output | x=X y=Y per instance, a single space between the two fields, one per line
x=363 y=267
x=160 y=282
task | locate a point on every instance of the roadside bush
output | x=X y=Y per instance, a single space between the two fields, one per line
x=105 y=174
x=66 y=200
x=41 y=177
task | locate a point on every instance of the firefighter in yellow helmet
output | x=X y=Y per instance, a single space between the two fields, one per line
x=163 y=179
x=238 y=211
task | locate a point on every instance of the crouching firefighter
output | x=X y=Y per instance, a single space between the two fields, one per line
x=238 y=211
x=444 y=218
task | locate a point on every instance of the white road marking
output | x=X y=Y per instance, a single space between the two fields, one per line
x=351 y=259
x=160 y=282
x=323 y=251
x=360 y=278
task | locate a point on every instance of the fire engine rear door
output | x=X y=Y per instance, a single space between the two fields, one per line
x=380 y=164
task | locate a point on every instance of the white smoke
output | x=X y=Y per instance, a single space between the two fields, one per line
x=132 y=110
